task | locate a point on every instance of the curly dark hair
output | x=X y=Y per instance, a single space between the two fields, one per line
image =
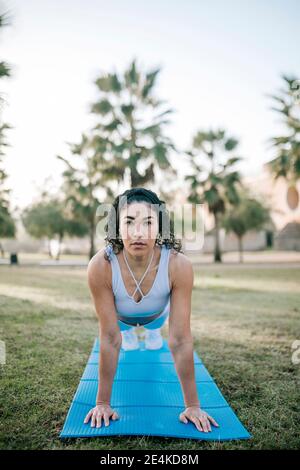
x=165 y=223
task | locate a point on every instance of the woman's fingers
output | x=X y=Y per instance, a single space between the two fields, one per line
x=201 y=422
x=183 y=418
x=205 y=424
x=99 y=423
x=87 y=418
x=213 y=421
x=93 y=420
x=97 y=418
x=197 y=422
x=106 y=419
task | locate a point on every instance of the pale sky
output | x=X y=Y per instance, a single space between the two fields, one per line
x=218 y=59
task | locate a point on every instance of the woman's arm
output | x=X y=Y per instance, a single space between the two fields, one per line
x=181 y=341
x=108 y=360
x=99 y=281
x=180 y=335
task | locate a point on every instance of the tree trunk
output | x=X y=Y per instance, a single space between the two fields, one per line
x=49 y=248
x=2 y=251
x=218 y=258
x=59 y=247
x=240 y=239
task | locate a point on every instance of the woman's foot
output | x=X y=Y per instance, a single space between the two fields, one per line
x=130 y=339
x=153 y=339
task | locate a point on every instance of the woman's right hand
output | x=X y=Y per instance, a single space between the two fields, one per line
x=100 y=412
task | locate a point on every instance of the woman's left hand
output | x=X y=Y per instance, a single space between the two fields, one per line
x=199 y=417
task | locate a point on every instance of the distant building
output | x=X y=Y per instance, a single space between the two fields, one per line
x=282 y=233
x=284 y=201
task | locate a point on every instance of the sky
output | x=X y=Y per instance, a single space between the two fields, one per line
x=218 y=59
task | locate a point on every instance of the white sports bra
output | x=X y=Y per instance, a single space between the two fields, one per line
x=151 y=305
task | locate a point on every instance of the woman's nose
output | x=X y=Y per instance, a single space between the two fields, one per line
x=137 y=230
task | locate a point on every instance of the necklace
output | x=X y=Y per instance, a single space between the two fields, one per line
x=141 y=280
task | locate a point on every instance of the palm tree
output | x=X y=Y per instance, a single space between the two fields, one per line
x=214 y=182
x=287 y=161
x=133 y=120
x=7 y=223
x=4 y=67
x=83 y=183
x=4 y=73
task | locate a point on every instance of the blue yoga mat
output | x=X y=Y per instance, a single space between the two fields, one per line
x=147 y=396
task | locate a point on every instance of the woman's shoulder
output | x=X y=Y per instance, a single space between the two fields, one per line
x=179 y=259
x=180 y=265
x=99 y=267
x=102 y=255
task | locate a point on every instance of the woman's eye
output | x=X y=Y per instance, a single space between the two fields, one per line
x=129 y=222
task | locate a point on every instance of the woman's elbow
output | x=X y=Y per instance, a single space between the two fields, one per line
x=111 y=338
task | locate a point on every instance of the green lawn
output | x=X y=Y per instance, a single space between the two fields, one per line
x=244 y=321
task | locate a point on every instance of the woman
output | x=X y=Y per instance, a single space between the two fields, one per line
x=141 y=279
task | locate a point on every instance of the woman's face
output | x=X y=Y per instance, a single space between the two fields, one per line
x=138 y=223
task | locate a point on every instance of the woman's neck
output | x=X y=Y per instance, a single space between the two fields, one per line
x=139 y=261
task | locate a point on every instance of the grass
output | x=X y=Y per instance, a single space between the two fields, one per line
x=25 y=258
x=244 y=321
